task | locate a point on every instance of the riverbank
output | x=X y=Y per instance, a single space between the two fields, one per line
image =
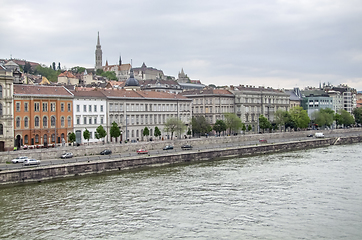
x=44 y=173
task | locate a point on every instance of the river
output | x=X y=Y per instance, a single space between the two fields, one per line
x=310 y=194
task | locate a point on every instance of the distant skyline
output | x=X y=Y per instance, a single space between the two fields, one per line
x=271 y=43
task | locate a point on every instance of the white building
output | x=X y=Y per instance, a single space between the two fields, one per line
x=90 y=111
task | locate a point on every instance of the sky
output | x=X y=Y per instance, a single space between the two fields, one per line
x=270 y=43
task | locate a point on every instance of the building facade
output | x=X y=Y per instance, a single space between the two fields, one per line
x=43 y=115
x=314 y=100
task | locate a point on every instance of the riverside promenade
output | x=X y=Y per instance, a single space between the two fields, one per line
x=223 y=147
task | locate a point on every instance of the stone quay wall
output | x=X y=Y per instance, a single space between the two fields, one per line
x=38 y=174
x=95 y=149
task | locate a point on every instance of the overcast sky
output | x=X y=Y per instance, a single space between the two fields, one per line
x=279 y=44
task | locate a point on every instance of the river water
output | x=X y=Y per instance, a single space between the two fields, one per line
x=310 y=194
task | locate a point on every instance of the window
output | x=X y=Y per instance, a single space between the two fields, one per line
x=78 y=108
x=53 y=137
x=52 y=121
x=26 y=139
x=36 y=121
x=1 y=91
x=95 y=108
x=26 y=108
x=90 y=108
x=26 y=122
x=78 y=120
x=90 y=135
x=45 y=121
x=62 y=107
x=69 y=108
x=36 y=107
x=18 y=107
x=101 y=108
x=90 y=120
x=84 y=108
x=45 y=107
x=69 y=121
x=101 y=120
x=62 y=121
x=1 y=109
x=95 y=120
x=17 y=122
x=84 y=120
x=52 y=107
x=37 y=138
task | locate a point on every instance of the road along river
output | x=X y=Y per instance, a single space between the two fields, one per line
x=307 y=194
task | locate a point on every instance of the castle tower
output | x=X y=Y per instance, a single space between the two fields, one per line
x=98 y=55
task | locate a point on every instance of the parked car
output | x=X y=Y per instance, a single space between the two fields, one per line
x=168 y=147
x=106 y=152
x=263 y=141
x=142 y=151
x=186 y=146
x=67 y=155
x=19 y=159
x=319 y=135
x=310 y=135
x=31 y=162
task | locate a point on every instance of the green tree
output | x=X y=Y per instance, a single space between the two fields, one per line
x=219 y=126
x=157 y=132
x=233 y=122
x=347 y=118
x=174 y=125
x=78 y=69
x=59 y=68
x=250 y=128
x=86 y=135
x=300 y=117
x=244 y=128
x=264 y=123
x=27 y=68
x=189 y=132
x=49 y=73
x=338 y=118
x=71 y=137
x=199 y=125
x=282 y=118
x=357 y=112
x=323 y=117
x=146 y=132
x=54 y=66
x=111 y=75
x=114 y=131
x=100 y=133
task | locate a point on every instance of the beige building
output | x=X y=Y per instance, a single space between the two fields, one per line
x=6 y=109
x=68 y=78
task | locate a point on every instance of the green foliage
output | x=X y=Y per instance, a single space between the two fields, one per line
x=114 y=131
x=174 y=125
x=299 y=117
x=157 y=132
x=111 y=75
x=357 y=112
x=78 y=69
x=244 y=128
x=27 y=68
x=146 y=132
x=283 y=118
x=323 y=117
x=233 y=122
x=264 y=122
x=71 y=137
x=49 y=73
x=54 y=66
x=346 y=117
x=200 y=125
x=86 y=135
x=100 y=132
x=189 y=132
x=250 y=128
x=219 y=126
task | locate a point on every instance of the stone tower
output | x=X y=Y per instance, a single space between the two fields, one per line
x=98 y=55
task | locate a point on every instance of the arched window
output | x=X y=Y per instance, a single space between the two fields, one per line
x=45 y=121
x=26 y=139
x=17 y=122
x=52 y=121
x=137 y=133
x=45 y=138
x=62 y=121
x=26 y=122
x=53 y=137
x=1 y=129
x=36 y=123
x=62 y=136
x=69 y=121
x=1 y=91
x=37 y=138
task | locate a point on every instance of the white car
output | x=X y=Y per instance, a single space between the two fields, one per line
x=31 y=162
x=67 y=155
x=19 y=159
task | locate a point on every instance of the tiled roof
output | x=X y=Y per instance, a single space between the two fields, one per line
x=88 y=92
x=67 y=74
x=40 y=90
x=208 y=92
x=122 y=93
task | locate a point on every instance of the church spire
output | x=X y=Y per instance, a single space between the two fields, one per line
x=120 y=60
x=98 y=54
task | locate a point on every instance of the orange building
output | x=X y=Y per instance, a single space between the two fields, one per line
x=42 y=115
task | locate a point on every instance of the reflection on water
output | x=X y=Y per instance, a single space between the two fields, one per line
x=313 y=194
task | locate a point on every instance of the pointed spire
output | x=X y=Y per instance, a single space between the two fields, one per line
x=98 y=42
x=120 y=60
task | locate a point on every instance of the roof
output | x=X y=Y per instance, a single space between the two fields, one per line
x=208 y=92
x=88 y=92
x=123 y=93
x=293 y=96
x=67 y=74
x=40 y=90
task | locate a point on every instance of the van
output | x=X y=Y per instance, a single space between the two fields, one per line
x=319 y=135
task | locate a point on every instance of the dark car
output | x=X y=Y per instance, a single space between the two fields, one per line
x=106 y=152
x=168 y=147
x=186 y=146
x=263 y=140
x=310 y=135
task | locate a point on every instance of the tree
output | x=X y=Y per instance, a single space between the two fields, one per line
x=199 y=125
x=347 y=118
x=27 y=68
x=233 y=122
x=264 y=123
x=72 y=137
x=299 y=116
x=157 y=132
x=146 y=132
x=250 y=128
x=282 y=118
x=189 y=132
x=86 y=135
x=54 y=66
x=59 y=66
x=323 y=117
x=78 y=69
x=219 y=126
x=114 y=131
x=357 y=112
x=174 y=125
x=100 y=132
x=244 y=128
x=49 y=73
